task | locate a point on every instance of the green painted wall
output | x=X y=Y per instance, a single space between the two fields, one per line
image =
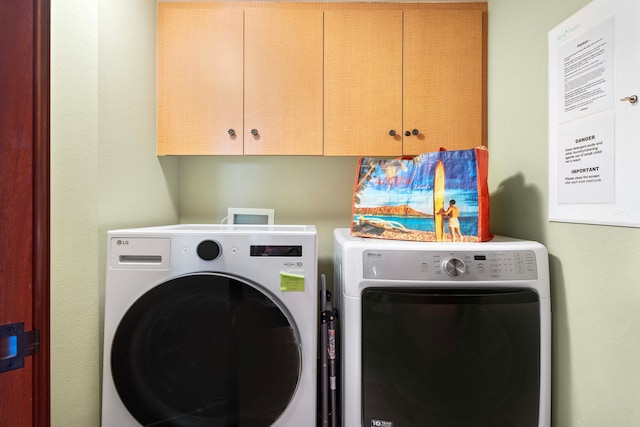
x=104 y=175
x=594 y=269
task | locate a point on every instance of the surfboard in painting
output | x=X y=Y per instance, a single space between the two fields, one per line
x=438 y=200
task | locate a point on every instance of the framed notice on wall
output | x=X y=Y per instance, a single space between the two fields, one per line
x=594 y=116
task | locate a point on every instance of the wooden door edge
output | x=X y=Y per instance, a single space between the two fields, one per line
x=41 y=217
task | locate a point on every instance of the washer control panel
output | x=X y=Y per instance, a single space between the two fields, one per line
x=443 y=265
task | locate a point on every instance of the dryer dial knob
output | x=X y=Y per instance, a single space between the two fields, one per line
x=455 y=267
x=209 y=250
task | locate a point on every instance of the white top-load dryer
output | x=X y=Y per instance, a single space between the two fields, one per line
x=211 y=325
x=443 y=334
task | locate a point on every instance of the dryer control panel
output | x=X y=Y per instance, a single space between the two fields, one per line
x=445 y=265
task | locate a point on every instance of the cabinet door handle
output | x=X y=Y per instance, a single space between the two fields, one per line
x=254 y=132
x=416 y=132
x=407 y=133
x=232 y=132
x=392 y=132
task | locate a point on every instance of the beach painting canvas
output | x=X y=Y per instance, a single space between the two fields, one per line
x=438 y=196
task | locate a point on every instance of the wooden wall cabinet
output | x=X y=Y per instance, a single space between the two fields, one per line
x=444 y=80
x=363 y=82
x=403 y=82
x=283 y=81
x=333 y=79
x=200 y=79
x=239 y=81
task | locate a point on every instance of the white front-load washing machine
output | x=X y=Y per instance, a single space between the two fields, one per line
x=443 y=334
x=211 y=325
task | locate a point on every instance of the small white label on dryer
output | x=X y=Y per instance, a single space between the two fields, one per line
x=381 y=423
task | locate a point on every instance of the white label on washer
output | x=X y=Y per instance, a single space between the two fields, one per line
x=381 y=423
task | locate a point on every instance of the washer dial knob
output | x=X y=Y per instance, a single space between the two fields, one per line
x=455 y=267
x=209 y=250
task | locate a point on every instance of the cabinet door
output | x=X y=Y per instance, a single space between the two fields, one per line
x=444 y=96
x=283 y=81
x=199 y=79
x=363 y=82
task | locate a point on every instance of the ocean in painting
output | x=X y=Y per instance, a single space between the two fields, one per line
x=468 y=224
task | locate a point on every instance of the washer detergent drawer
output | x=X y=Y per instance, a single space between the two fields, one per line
x=139 y=252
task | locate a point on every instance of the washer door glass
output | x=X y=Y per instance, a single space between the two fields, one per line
x=206 y=350
x=450 y=358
